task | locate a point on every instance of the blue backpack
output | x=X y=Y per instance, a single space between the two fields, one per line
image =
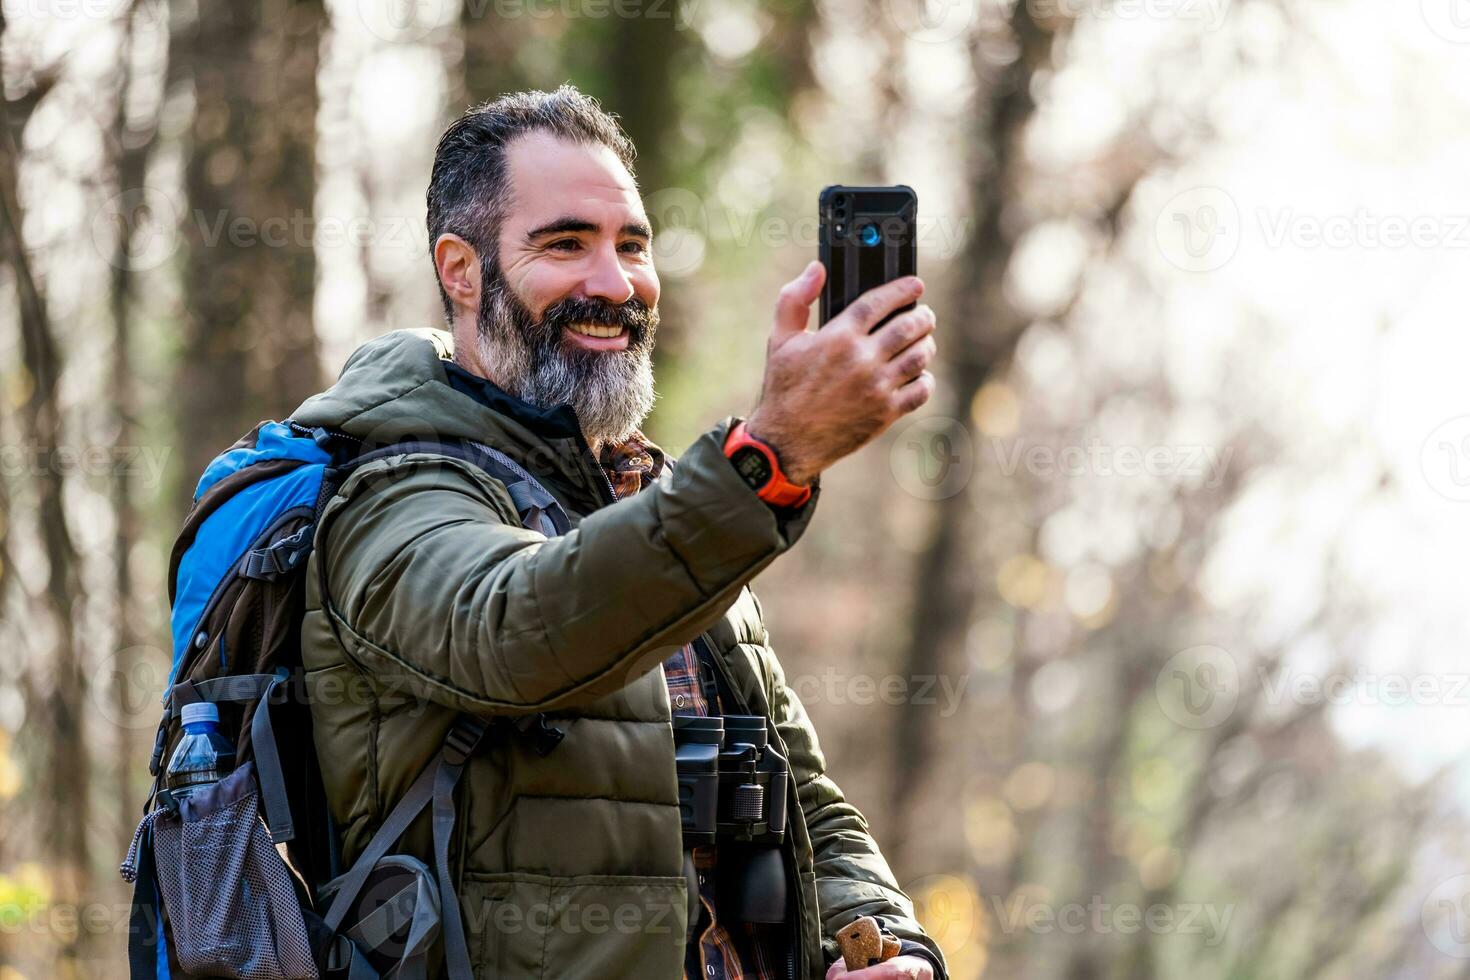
x=213 y=894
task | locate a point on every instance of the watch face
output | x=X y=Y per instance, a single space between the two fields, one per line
x=752 y=466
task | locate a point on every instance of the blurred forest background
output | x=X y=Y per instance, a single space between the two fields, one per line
x=1141 y=646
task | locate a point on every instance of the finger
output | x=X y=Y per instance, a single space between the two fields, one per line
x=865 y=312
x=903 y=330
x=794 y=303
x=909 y=362
x=912 y=394
x=838 y=969
x=901 y=968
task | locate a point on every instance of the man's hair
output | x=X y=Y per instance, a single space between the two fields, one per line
x=469 y=190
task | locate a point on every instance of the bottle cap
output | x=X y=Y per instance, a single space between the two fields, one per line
x=197 y=711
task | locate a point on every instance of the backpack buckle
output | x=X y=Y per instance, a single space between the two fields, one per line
x=463 y=739
x=283 y=556
x=543 y=736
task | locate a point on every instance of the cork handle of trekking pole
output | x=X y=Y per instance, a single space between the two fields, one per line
x=863 y=944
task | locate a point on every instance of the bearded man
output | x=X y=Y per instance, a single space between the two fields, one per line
x=429 y=594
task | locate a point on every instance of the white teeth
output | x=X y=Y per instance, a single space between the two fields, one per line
x=596 y=330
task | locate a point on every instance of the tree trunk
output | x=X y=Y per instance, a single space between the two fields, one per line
x=489 y=66
x=59 y=775
x=985 y=330
x=249 y=347
x=128 y=155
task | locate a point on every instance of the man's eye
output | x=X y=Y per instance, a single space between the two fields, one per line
x=635 y=247
x=564 y=244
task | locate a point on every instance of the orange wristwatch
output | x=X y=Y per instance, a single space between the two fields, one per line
x=758 y=466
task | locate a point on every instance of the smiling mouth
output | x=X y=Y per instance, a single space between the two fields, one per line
x=596 y=330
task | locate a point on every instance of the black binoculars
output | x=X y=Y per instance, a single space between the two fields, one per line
x=733 y=787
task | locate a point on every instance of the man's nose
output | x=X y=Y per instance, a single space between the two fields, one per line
x=607 y=279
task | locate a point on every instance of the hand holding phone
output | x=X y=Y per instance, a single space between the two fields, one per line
x=829 y=392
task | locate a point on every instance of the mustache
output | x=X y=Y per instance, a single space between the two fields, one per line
x=634 y=315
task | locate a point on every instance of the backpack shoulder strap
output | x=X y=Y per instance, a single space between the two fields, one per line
x=434 y=787
x=538 y=509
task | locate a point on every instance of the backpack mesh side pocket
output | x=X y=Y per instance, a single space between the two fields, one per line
x=230 y=899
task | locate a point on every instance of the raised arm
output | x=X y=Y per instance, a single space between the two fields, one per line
x=433 y=583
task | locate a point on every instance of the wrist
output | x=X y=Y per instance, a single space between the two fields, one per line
x=761 y=467
x=772 y=436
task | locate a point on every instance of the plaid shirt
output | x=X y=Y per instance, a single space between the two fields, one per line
x=720 y=954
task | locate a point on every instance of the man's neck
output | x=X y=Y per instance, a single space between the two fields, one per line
x=467 y=358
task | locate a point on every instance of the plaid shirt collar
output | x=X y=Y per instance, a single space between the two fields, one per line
x=631 y=464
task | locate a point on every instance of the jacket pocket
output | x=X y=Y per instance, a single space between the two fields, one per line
x=587 y=927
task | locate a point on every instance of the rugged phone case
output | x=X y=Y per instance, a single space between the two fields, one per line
x=867 y=238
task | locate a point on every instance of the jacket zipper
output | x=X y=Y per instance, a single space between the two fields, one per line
x=587 y=453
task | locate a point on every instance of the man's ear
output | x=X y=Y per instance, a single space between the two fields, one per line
x=458 y=265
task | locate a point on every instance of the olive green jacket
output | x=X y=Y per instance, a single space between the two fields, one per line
x=569 y=866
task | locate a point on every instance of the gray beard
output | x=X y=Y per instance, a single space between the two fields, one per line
x=611 y=391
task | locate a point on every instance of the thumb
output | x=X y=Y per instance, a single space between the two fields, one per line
x=793 y=305
x=837 y=969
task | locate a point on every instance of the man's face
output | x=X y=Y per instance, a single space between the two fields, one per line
x=570 y=314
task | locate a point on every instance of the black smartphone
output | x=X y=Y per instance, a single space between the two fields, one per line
x=866 y=237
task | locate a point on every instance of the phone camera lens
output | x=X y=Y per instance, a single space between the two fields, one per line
x=868 y=235
x=840 y=200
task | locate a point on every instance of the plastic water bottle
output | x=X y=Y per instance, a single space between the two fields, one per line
x=203 y=756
